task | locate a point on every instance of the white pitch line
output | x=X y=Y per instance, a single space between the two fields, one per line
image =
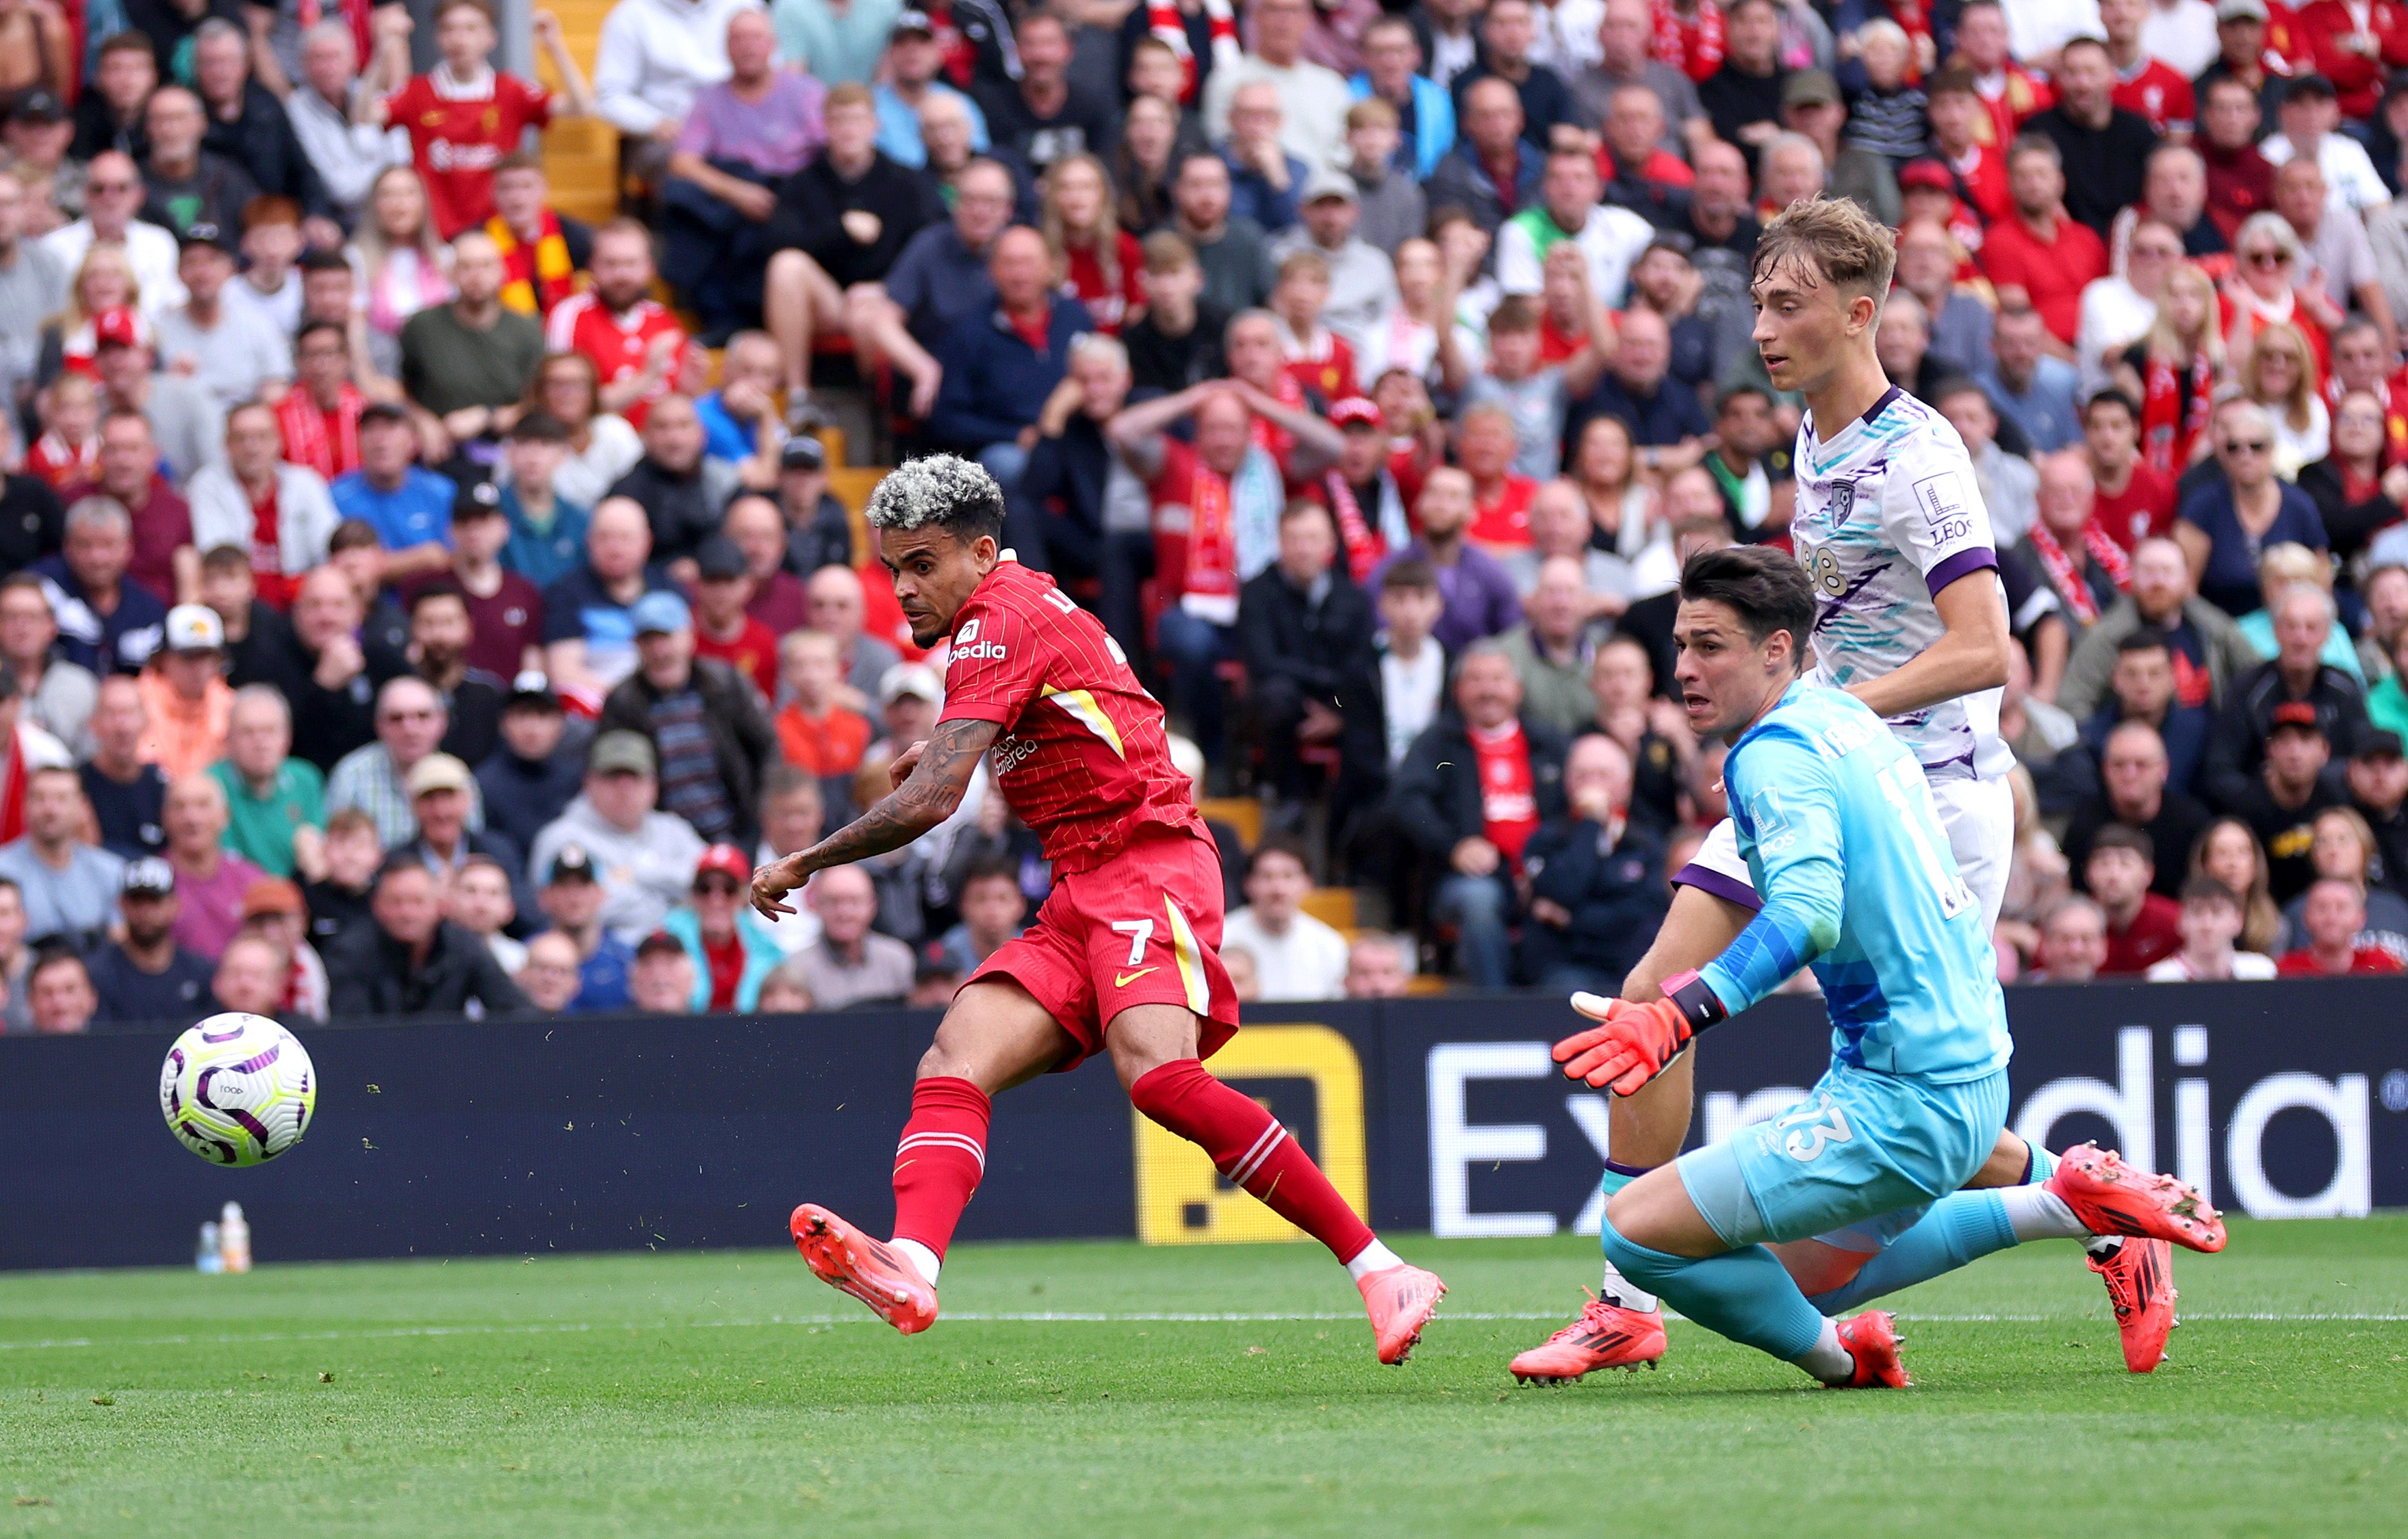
x=1059 y=1317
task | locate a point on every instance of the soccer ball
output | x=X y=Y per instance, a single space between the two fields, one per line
x=237 y=1089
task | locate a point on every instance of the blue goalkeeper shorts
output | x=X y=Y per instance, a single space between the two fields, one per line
x=1864 y=1154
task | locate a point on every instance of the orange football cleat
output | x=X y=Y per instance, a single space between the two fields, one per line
x=2140 y=1275
x=1400 y=1300
x=2113 y=1198
x=1872 y=1338
x=852 y=1262
x=1606 y=1335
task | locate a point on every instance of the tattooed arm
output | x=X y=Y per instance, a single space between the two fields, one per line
x=929 y=780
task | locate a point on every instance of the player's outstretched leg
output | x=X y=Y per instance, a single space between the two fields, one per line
x=2128 y=1221
x=995 y=1036
x=1154 y=1047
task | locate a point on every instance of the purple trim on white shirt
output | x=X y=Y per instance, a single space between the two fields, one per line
x=1957 y=565
x=1706 y=878
x=1875 y=410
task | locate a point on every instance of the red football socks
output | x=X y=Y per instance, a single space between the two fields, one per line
x=939 y=1161
x=1249 y=1146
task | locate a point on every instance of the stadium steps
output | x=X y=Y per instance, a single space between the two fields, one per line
x=580 y=157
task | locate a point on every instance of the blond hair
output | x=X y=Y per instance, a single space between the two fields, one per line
x=1832 y=237
x=2168 y=345
x=1104 y=234
x=2295 y=405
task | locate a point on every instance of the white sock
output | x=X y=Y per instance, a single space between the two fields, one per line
x=1375 y=1258
x=1615 y=1288
x=2037 y=1213
x=1827 y=1359
x=919 y=1256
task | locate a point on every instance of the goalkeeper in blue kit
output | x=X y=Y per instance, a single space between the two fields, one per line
x=1835 y=820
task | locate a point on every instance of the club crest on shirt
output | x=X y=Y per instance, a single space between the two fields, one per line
x=1844 y=501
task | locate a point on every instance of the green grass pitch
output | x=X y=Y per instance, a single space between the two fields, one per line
x=729 y=1393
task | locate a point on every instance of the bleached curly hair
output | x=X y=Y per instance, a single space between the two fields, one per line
x=941 y=489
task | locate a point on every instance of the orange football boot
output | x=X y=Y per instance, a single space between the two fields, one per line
x=1606 y=1335
x=2140 y=1275
x=852 y=1262
x=1872 y=1338
x=1400 y=1300
x=2111 y=1197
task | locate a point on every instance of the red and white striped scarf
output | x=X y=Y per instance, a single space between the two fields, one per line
x=1363 y=544
x=2071 y=586
x=1163 y=22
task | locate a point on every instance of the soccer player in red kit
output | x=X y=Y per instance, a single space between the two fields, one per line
x=1124 y=958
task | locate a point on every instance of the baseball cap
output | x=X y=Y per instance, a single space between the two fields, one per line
x=2310 y=84
x=271 y=895
x=117 y=326
x=37 y=104
x=803 y=452
x=195 y=628
x=910 y=679
x=718 y=560
x=659 y=944
x=477 y=499
x=571 y=864
x=532 y=688
x=2378 y=743
x=2299 y=713
x=659 y=611
x=727 y=860
x=149 y=877
x=1926 y=173
x=622 y=752
x=436 y=772
x=1810 y=88
x=2241 y=10
x=384 y=411
x=1354 y=409
x=1328 y=182
x=913 y=21
x=206 y=234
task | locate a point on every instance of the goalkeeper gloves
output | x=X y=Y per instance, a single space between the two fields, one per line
x=1637 y=1042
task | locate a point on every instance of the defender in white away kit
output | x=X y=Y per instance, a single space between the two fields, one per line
x=1887 y=516
x=1910 y=618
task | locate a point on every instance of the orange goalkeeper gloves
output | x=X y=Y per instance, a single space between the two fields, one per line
x=1637 y=1042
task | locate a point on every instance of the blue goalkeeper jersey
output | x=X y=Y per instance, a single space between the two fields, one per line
x=1835 y=821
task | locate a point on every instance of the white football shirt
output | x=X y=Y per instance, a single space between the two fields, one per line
x=1887 y=515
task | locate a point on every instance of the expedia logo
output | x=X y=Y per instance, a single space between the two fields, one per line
x=991 y=650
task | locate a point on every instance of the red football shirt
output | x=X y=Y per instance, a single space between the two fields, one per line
x=2157 y=91
x=456 y=141
x=1505 y=518
x=1084 y=760
x=1509 y=800
x=2143 y=510
x=754 y=655
x=2303 y=964
x=2155 y=932
x=2051 y=273
x=617 y=343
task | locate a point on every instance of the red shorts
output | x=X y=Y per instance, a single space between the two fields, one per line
x=1143 y=927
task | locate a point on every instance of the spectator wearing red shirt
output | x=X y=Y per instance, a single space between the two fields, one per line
x=2354 y=41
x=2150 y=88
x=2009 y=92
x=1977 y=169
x=464 y=116
x=319 y=416
x=1634 y=169
x=2240 y=178
x=636 y=343
x=721 y=629
x=2040 y=251
x=2335 y=916
x=2361 y=363
x=1501 y=500
x=2143 y=927
x=2133 y=502
x=1470 y=792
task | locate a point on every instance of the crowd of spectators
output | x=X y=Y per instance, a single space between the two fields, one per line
x=414 y=598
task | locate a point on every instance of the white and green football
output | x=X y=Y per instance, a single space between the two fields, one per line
x=237 y=1089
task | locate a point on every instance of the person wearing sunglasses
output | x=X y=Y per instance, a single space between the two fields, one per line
x=2280 y=374
x=2226 y=525
x=732 y=948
